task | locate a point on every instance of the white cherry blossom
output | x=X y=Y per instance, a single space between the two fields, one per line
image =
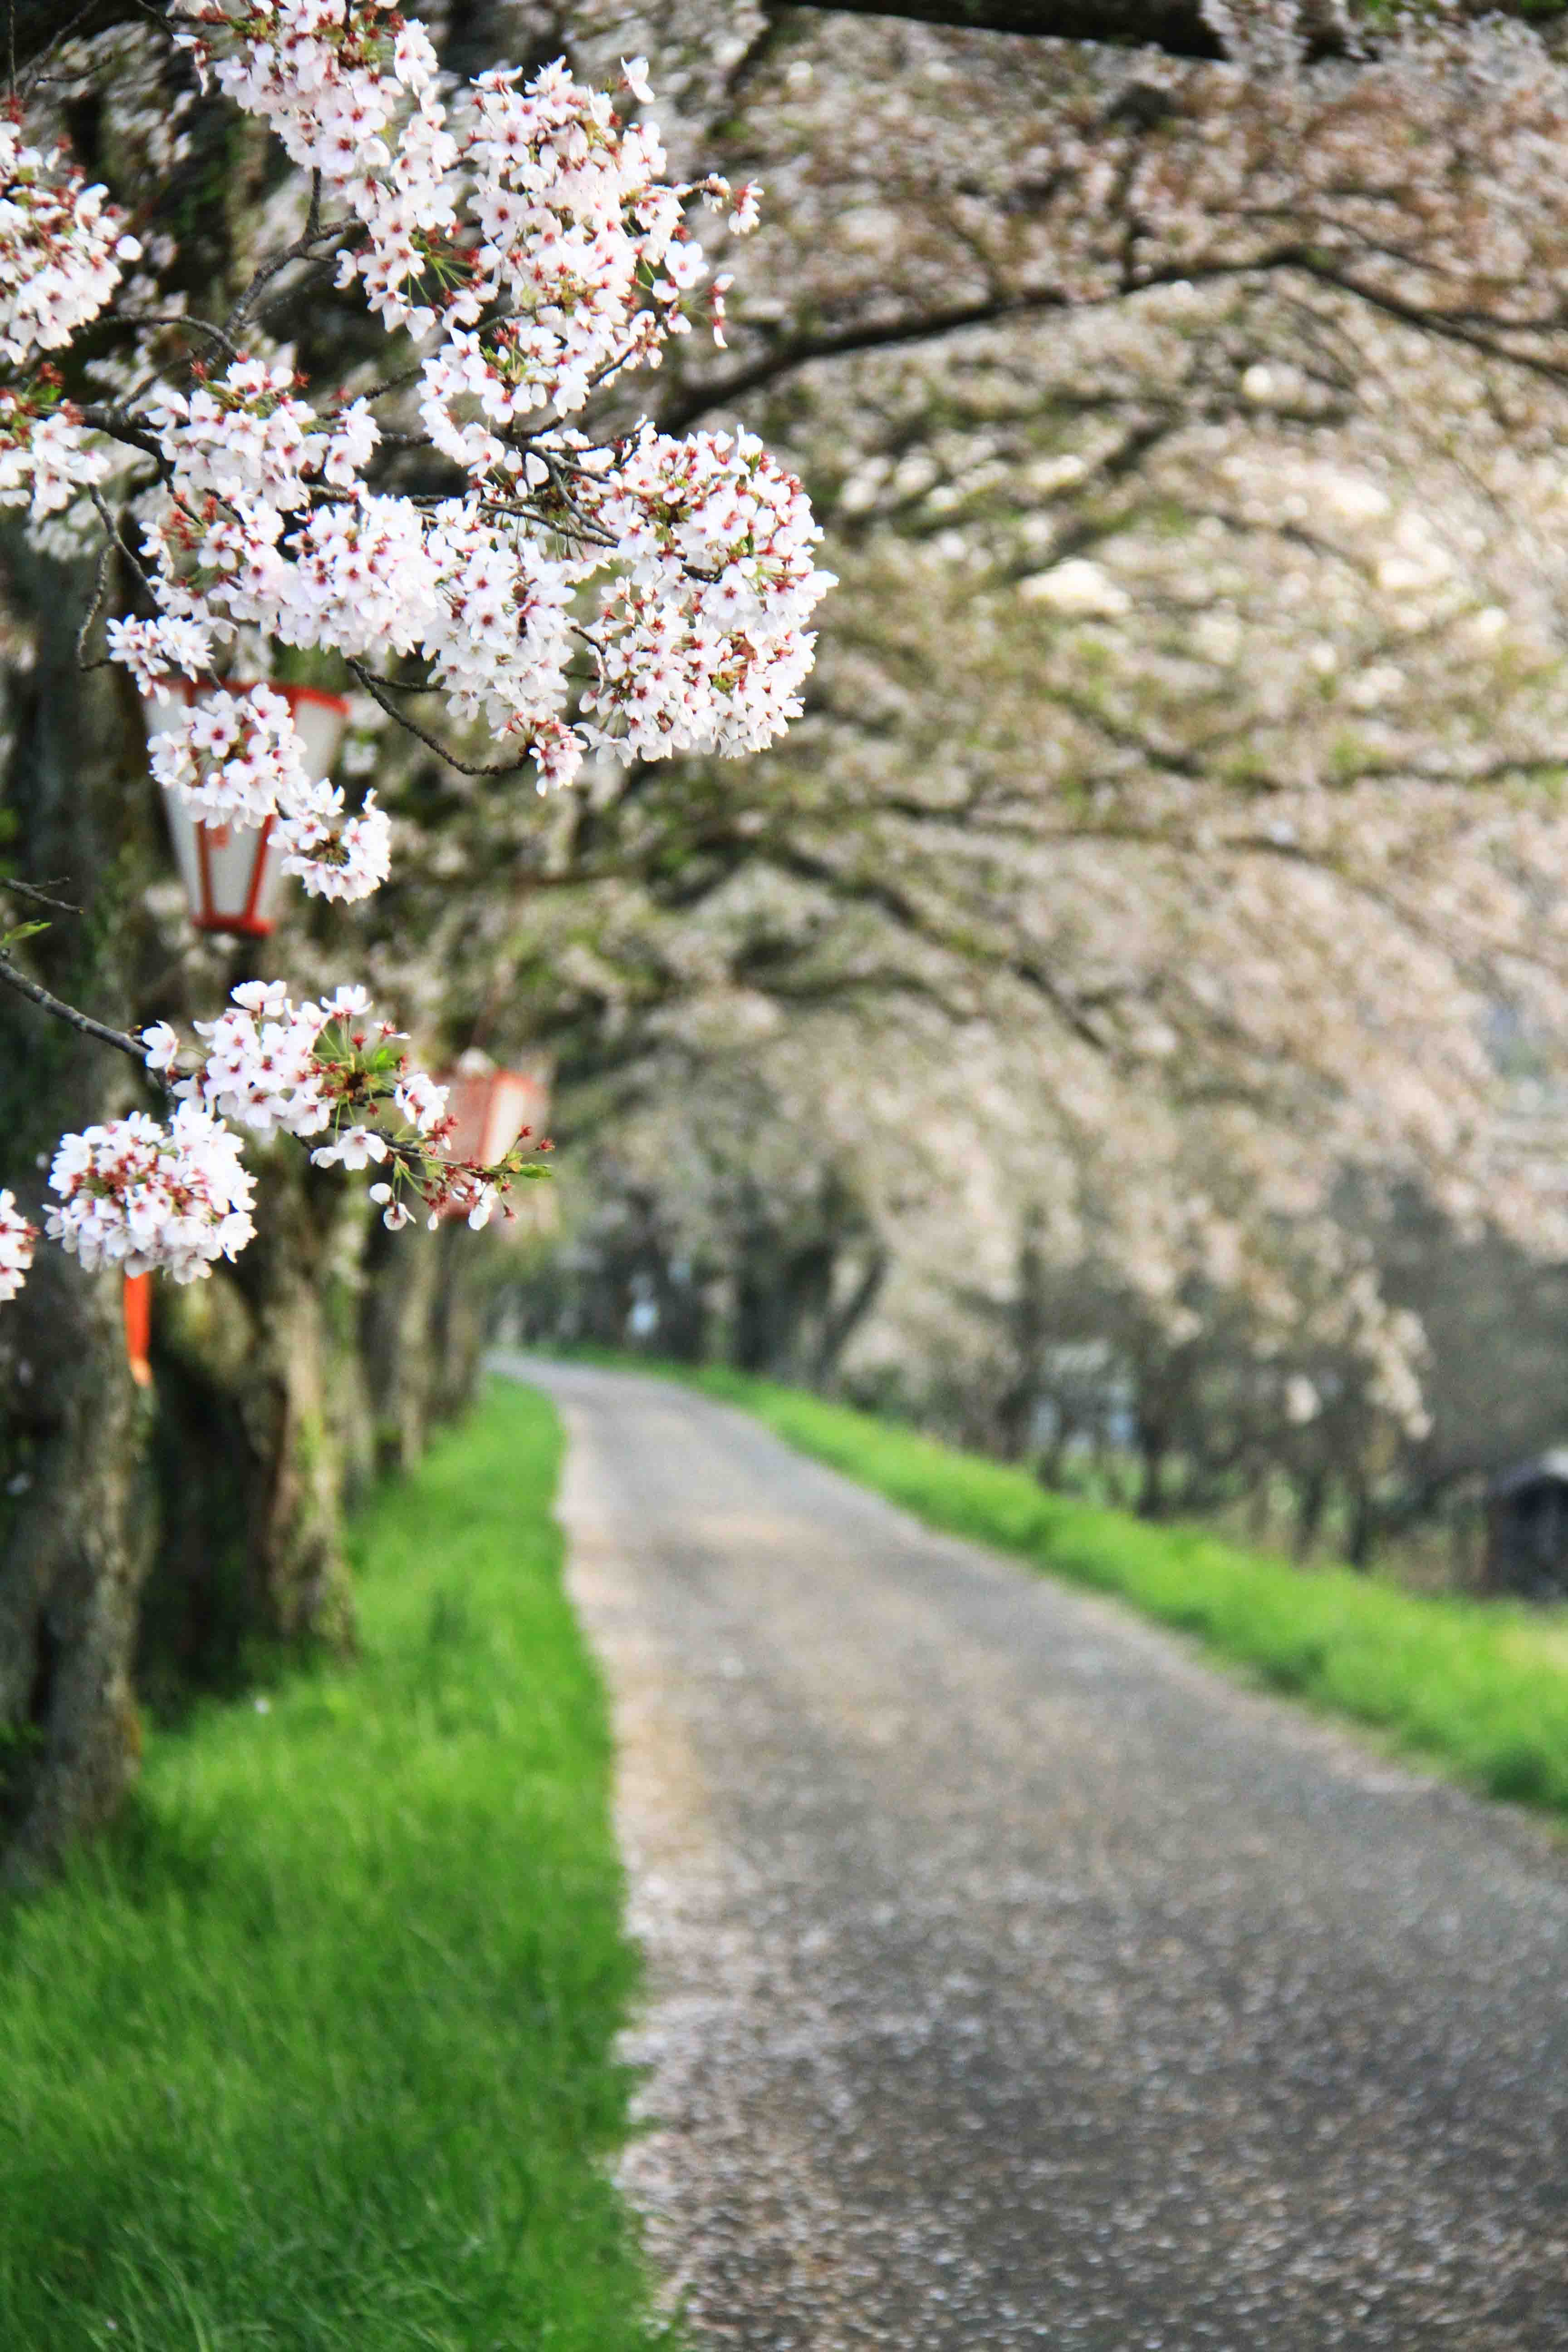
x=143 y=1197
x=47 y=455
x=422 y=1102
x=355 y=1147
x=335 y=855
x=529 y=238
x=151 y=650
x=234 y=757
x=17 y=1241
x=61 y=247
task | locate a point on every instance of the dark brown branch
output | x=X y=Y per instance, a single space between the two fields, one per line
x=1181 y=28
x=378 y=689
x=1177 y=27
x=302 y=249
x=696 y=399
x=99 y=590
x=37 y=897
x=184 y=319
x=1494 y=340
x=133 y=431
x=903 y=911
x=84 y=1022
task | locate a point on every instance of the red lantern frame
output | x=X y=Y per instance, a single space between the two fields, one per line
x=199 y=848
x=491 y=1108
x=138 y=1312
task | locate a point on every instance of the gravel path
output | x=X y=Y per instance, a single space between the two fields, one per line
x=1015 y=1979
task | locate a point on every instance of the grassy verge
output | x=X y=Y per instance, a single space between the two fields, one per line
x=317 y=2054
x=1479 y=1687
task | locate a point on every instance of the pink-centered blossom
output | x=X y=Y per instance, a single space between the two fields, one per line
x=48 y=458
x=153 y=650
x=566 y=256
x=422 y=1102
x=335 y=855
x=61 y=247
x=261 y=1068
x=147 y=1197
x=234 y=758
x=355 y=1147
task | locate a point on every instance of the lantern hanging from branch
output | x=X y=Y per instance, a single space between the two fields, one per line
x=492 y=1108
x=232 y=872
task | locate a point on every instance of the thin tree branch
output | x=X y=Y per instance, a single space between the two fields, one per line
x=184 y=318
x=699 y=398
x=84 y=1022
x=378 y=689
x=302 y=249
x=100 y=589
x=40 y=897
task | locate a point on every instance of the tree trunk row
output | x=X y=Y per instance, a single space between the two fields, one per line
x=157 y=1540
x=160 y=1542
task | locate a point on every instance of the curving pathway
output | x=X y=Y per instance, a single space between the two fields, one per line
x=1016 y=1980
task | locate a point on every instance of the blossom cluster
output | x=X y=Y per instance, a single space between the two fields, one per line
x=18 y=1239
x=239 y=758
x=526 y=234
x=582 y=247
x=47 y=460
x=332 y=82
x=144 y=1197
x=533 y=199
x=61 y=244
x=247 y=439
x=531 y=226
x=336 y=853
x=700 y=642
x=703 y=647
x=327 y=1069
x=153 y=651
x=235 y=760
x=267 y=1064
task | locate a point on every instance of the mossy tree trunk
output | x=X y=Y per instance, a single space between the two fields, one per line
x=422 y=1332
x=75 y=1527
x=262 y=1432
x=401 y=1277
x=457 y=1316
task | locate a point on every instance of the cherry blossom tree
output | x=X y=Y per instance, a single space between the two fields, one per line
x=525 y=236
x=1075 y=804
x=1179 y=804
x=443 y=522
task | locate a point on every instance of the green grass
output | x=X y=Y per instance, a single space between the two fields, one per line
x=315 y=2053
x=1481 y=1688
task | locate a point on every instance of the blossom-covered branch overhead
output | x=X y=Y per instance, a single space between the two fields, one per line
x=637 y=597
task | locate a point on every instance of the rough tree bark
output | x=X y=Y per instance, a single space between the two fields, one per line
x=74 y=1517
x=459 y=1307
x=401 y=1274
x=1312 y=1501
x=421 y=1332
x=263 y=1428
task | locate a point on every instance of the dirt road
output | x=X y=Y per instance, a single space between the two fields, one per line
x=1018 y=1981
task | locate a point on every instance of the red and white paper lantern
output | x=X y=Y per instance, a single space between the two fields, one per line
x=232 y=872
